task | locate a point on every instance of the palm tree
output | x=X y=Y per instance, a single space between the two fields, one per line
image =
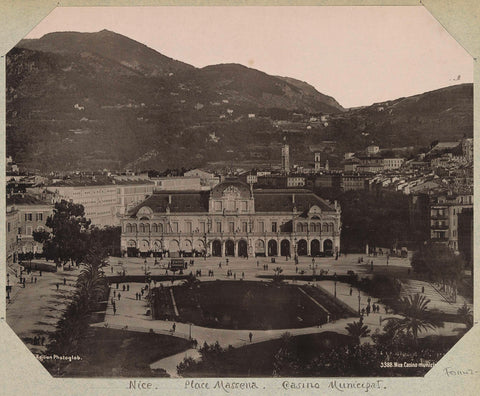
x=467 y=316
x=416 y=316
x=357 y=330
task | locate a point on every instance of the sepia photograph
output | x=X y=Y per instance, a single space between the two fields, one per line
x=239 y=192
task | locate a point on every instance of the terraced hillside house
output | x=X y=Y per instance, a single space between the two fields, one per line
x=232 y=220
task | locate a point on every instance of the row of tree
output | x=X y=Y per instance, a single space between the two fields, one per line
x=440 y=264
x=91 y=291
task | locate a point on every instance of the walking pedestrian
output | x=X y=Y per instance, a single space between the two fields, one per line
x=351 y=291
x=174 y=326
x=24 y=285
x=243 y=274
x=128 y=287
x=114 y=310
x=114 y=293
x=368 y=310
x=43 y=340
x=123 y=288
x=64 y=281
x=250 y=336
x=119 y=296
x=234 y=275
x=35 y=279
x=423 y=289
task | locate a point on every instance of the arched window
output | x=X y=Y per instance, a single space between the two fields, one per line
x=160 y=227
x=147 y=227
x=299 y=227
x=134 y=228
x=154 y=228
x=128 y=227
x=142 y=227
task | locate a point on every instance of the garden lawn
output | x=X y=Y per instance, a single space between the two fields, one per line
x=246 y=305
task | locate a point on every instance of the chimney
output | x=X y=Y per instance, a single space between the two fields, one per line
x=293 y=198
x=169 y=199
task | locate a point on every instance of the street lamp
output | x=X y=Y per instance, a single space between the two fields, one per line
x=335 y=284
x=359 y=302
x=190 y=332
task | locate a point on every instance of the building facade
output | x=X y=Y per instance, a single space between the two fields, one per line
x=31 y=215
x=444 y=211
x=99 y=201
x=393 y=163
x=232 y=220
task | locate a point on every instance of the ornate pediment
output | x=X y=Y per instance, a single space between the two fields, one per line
x=231 y=192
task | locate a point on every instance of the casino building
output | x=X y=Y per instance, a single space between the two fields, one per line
x=234 y=220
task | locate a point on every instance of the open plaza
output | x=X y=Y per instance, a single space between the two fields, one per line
x=34 y=309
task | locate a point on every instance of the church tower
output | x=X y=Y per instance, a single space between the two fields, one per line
x=317 y=162
x=285 y=158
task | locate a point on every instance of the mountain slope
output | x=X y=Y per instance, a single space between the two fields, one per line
x=108 y=45
x=102 y=100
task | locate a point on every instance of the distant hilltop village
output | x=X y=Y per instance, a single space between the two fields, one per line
x=438 y=180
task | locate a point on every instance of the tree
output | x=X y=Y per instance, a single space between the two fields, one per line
x=416 y=316
x=66 y=241
x=286 y=361
x=357 y=330
x=466 y=315
x=441 y=264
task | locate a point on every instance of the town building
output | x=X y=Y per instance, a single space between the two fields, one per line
x=295 y=181
x=354 y=182
x=208 y=179
x=444 y=211
x=178 y=183
x=31 y=215
x=11 y=228
x=372 y=150
x=98 y=198
x=393 y=163
x=232 y=219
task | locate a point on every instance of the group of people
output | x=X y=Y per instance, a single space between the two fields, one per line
x=374 y=308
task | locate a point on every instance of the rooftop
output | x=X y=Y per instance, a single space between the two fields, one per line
x=25 y=199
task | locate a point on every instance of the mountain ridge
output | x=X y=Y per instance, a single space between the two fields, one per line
x=104 y=100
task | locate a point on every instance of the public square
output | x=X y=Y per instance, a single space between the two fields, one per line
x=35 y=309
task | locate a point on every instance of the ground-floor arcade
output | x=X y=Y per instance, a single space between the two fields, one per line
x=232 y=246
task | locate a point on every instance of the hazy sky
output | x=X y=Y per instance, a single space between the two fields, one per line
x=358 y=55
